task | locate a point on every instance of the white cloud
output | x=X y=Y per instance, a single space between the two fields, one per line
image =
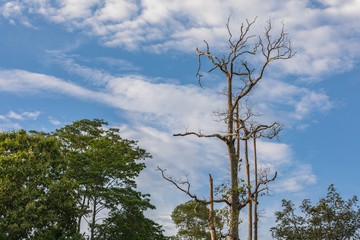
x=23 y=81
x=311 y=102
x=295 y=180
x=22 y=116
x=9 y=121
x=120 y=64
x=274 y=153
x=187 y=104
x=14 y=115
x=14 y=10
x=54 y=121
x=302 y=101
x=31 y=115
x=325 y=37
x=302 y=127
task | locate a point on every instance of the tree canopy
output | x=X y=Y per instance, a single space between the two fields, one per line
x=191 y=219
x=84 y=172
x=105 y=166
x=191 y=224
x=332 y=218
x=37 y=200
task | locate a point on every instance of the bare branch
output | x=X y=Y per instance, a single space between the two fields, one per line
x=243 y=203
x=215 y=61
x=272 y=50
x=223 y=138
x=187 y=189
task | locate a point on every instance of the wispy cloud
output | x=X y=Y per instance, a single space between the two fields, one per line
x=139 y=94
x=14 y=115
x=22 y=115
x=12 y=119
x=323 y=34
x=54 y=121
x=119 y=63
x=297 y=179
x=302 y=101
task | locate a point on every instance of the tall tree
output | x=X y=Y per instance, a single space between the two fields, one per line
x=105 y=166
x=241 y=77
x=332 y=218
x=37 y=200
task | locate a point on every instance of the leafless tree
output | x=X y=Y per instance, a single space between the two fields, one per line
x=246 y=129
x=241 y=77
x=268 y=132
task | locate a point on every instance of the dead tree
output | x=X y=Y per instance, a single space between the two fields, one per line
x=241 y=78
x=261 y=131
x=211 y=219
x=247 y=128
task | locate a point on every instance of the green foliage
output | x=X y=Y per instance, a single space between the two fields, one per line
x=331 y=218
x=191 y=224
x=36 y=198
x=129 y=223
x=225 y=191
x=105 y=166
x=192 y=221
x=50 y=182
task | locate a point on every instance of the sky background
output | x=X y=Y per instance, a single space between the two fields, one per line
x=133 y=64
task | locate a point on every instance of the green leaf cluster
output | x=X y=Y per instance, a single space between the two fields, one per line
x=37 y=200
x=331 y=218
x=225 y=191
x=191 y=219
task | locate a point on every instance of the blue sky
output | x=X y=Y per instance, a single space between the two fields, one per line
x=133 y=64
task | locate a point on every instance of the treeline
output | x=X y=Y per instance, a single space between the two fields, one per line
x=331 y=218
x=77 y=182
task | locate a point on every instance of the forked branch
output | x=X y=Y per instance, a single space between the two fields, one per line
x=257 y=191
x=186 y=190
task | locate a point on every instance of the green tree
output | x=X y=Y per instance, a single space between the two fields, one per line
x=332 y=218
x=131 y=224
x=37 y=200
x=105 y=166
x=191 y=224
x=191 y=219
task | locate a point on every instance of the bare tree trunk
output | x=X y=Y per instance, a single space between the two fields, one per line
x=92 y=230
x=237 y=132
x=80 y=217
x=211 y=220
x=256 y=216
x=248 y=187
x=234 y=203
